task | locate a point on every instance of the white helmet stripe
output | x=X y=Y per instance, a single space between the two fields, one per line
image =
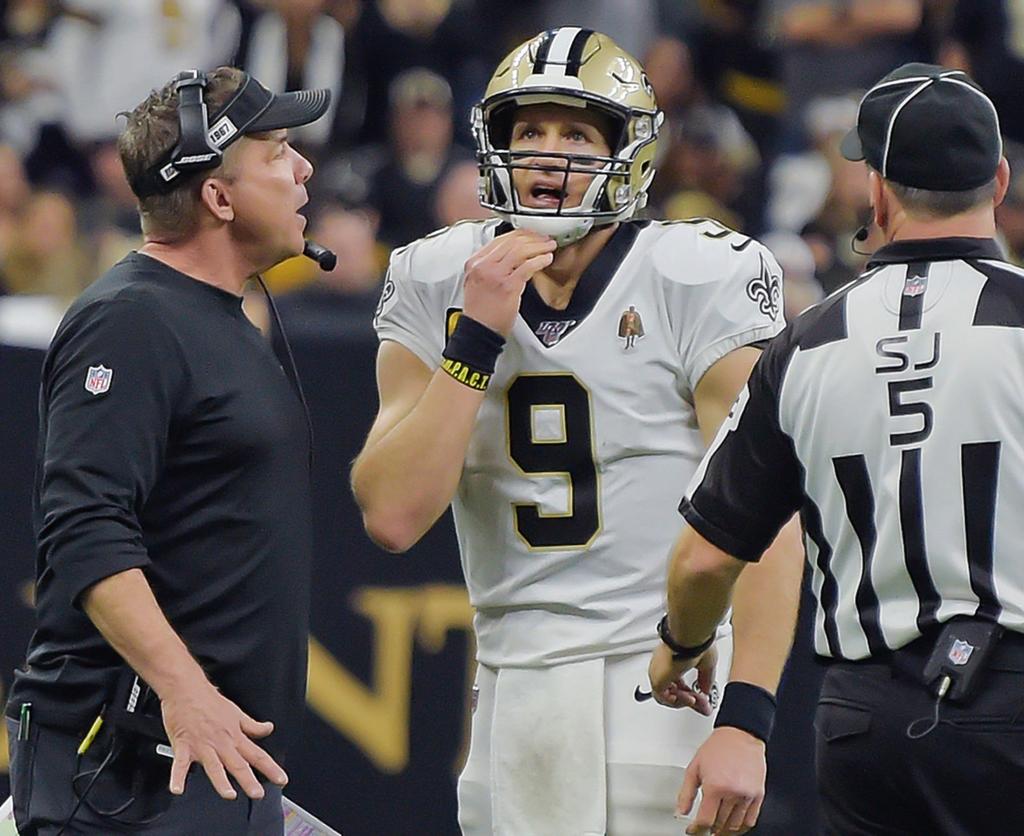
x=555 y=61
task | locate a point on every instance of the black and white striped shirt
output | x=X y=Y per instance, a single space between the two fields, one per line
x=892 y=416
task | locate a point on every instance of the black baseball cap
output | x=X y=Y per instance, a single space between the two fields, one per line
x=927 y=127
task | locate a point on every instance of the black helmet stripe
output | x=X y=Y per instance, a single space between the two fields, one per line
x=561 y=51
x=543 y=50
x=576 y=51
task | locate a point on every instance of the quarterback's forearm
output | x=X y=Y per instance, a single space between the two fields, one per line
x=128 y=616
x=764 y=611
x=404 y=480
x=700 y=584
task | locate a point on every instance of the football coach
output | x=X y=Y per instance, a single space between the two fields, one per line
x=890 y=416
x=172 y=501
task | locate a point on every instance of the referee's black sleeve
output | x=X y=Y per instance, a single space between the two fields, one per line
x=102 y=451
x=750 y=482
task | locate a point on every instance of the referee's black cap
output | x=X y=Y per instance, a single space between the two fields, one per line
x=927 y=127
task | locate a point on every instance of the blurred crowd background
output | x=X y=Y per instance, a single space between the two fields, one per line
x=756 y=93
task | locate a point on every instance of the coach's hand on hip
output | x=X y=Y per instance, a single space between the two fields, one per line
x=497 y=273
x=206 y=727
x=730 y=768
x=667 y=684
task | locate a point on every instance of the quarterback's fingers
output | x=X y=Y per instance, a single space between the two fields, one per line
x=494 y=250
x=522 y=244
x=523 y=273
x=524 y=251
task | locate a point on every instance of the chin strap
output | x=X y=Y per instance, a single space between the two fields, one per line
x=563 y=231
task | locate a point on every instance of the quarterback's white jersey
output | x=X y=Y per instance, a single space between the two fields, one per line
x=587 y=436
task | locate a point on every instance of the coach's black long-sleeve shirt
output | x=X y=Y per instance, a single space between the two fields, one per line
x=170 y=440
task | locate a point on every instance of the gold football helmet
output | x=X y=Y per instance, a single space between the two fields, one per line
x=577 y=68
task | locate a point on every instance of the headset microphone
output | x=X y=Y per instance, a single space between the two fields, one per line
x=326 y=259
x=860 y=236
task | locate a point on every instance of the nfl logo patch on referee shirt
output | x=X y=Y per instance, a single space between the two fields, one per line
x=97 y=379
x=915 y=285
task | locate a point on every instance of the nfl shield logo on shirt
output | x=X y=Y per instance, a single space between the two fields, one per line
x=97 y=379
x=915 y=285
x=960 y=652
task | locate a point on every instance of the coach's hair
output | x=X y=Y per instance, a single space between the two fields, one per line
x=942 y=204
x=152 y=129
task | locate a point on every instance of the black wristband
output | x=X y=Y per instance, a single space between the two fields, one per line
x=681 y=651
x=474 y=345
x=747 y=707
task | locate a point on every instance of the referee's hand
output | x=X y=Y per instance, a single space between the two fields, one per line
x=729 y=769
x=206 y=727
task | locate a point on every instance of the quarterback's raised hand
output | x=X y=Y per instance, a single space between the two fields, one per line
x=497 y=273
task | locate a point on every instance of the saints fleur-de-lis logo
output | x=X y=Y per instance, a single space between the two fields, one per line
x=766 y=290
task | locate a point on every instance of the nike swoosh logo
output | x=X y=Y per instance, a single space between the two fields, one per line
x=641 y=696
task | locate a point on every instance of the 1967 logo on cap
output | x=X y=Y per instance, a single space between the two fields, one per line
x=97 y=379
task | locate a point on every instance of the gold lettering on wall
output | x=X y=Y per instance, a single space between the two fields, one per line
x=376 y=718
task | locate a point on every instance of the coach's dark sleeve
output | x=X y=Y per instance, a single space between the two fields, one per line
x=750 y=482
x=103 y=439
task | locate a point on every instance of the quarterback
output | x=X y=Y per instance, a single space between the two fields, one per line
x=554 y=375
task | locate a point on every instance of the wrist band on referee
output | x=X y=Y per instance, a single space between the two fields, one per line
x=747 y=707
x=471 y=353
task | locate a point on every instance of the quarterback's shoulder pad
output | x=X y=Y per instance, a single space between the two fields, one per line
x=702 y=251
x=441 y=255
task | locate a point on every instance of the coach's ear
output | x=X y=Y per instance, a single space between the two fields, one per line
x=215 y=195
x=1002 y=181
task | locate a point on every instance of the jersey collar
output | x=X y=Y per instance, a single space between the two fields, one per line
x=591 y=285
x=936 y=249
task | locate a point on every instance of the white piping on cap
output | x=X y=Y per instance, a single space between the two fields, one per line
x=892 y=121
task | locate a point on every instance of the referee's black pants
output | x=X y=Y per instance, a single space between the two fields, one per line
x=44 y=766
x=964 y=778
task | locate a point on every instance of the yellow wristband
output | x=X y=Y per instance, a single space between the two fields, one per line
x=466 y=375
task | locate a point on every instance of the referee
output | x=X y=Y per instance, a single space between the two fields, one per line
x=890 y=416
x=173 y=508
